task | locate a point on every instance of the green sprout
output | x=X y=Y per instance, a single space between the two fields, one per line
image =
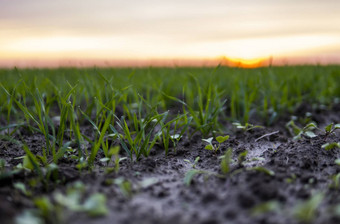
x=226 y=161
x=331 y=145
x=219 y=139
x=330 y=129
x=193 y=165
x=246 y=127
x=298 y=132
x=262 y=170
x=306 y=211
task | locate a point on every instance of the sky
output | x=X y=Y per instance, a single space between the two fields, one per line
x=107 y=30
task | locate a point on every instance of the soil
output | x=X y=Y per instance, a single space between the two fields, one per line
x=159 y=194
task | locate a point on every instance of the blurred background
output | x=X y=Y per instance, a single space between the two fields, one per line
x=244 y=33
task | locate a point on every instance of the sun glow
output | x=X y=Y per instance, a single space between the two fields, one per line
x=247 y=63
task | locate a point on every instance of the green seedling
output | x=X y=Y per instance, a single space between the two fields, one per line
x=269 y=206
x=298 y=132
x=337 y=162
x=22 y=188
x=46 y=209
x=226 y=161
x=335 y=181
x=125 y=186
x=181 y=122
x=331 y=128
x=2 y=165
x=95 y=205
x=189 y=176
x=100 y=141
x=331 y=145
x=141 y=142
x=262 y=170
x=203 y=108
x=29 y=217
x=219 y=139
x=193 y=165
x=242 y=157
x=306 y=211
x=113 y=152
x=291 y=179
x=246 y=127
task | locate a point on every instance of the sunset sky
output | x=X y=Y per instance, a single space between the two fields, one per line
x=177 y=29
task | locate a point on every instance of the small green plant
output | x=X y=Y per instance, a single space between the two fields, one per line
x=219 y=139
x=113 y=152
x=330 y=129
x=181 y=123
x=226 y=161
x=2 y=165
x=125 y=186
x=22 y=188
x=189 y=176
x=246 y=127
x=193 y=165
x=141 y=140
x=262 y=170
x=331 y=145
x=242 y=157
x=335 y=181
x=269 y=206
x=337 y=162
x=306 y=211
x=94 y=205
x=298 y=132
x=291 y=179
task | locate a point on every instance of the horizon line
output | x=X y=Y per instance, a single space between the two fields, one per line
x=175 y=62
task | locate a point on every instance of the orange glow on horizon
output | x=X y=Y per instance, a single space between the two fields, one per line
x=247 y=63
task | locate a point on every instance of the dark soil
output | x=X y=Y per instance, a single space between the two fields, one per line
x=159 y=195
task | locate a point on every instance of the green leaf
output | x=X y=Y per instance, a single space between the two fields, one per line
x=306 y=211
x=310 y=134
x=21 y=187
x=100 y=140
x=175 y=137
x=226 y=161
x=208 y=140
x=28 y=217
x=2 y=164
x=30 y=161
x=222 y=139
x=337 y=162
x=95 y=205
x=190 y=175
x=330 y=146
x=329 y=127
x=242 y=157
x=263 y=170
x=44 y=205
x=269 y=206
x=209 y=147
x=114 y=151
x=104 y=160
x=310 y=126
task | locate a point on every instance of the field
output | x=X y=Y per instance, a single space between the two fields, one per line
x=170 y=145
